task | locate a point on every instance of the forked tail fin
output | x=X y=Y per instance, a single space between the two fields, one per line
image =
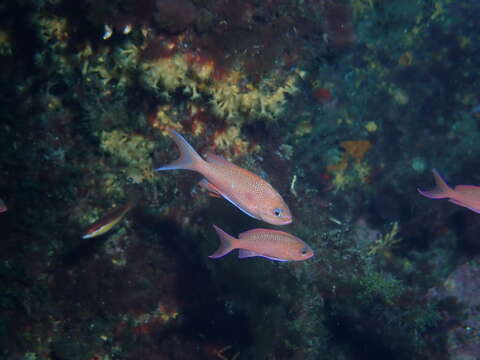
x=441 y=189
x=189 y=158
x=226 y=243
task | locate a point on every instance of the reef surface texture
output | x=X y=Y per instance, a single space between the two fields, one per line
x=344 y=106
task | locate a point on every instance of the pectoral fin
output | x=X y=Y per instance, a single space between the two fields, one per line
x=212 y=190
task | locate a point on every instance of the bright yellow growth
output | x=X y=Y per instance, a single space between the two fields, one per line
x=232 y=97
x=232 y=144
x=371 y=126
x=163 y=121
x=133 y=151
x=263 y=100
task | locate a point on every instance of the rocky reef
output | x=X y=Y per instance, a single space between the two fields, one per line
x=343 y=106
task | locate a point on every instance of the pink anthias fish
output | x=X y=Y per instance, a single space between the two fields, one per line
x=464 y=195
x=271 y=244
x=3 y=207
x=247 y=191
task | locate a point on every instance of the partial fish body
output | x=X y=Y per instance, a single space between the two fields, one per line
x=247 y=191
x=271 y=244
x=464 y=195
x=104 y=225
x=3 y=207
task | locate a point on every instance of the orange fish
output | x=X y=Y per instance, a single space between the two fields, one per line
x=104 y=225
x=271 y=244
x=464 y=195
x=247 y=191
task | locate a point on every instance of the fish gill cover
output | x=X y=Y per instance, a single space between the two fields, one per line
x=343 y=106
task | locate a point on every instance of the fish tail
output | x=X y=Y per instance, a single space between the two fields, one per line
x=226 y=243
x=441 y=189
x=189 y=158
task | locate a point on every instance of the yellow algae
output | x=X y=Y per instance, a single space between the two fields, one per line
x=203 y=71
x=362 y=170
x=53 y=30
x=340 y=180
x=256 y=101
x=350 y=169
x=133 y=151
x=162 y=119
x=232 y=96
x=303 y=128
x=371 y=126
x=439 y=11
x=169 y=72
x=232 y=143
x=98 y=65
x=386 y=242
x=128 y=55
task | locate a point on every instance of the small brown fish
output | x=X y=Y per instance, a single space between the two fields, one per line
x=247 y=191
x=464 y=195
x=3 y=207
x=103 y=225
x=271 y=244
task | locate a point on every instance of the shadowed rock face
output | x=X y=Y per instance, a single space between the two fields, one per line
x=174 y=16
x=462 y=287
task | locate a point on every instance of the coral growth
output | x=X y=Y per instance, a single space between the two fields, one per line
x=132 y=151
x=343 y=171
x=232 y=95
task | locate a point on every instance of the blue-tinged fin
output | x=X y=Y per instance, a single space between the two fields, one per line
x=441 y=189
x=239 y=207
x=244 y=253
x=189 y=158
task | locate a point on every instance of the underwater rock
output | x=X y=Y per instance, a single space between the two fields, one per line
x=174 y=16
x=463 y=287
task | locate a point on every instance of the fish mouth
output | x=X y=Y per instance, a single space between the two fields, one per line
x=285 y=221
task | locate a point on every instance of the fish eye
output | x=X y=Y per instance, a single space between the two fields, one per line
x=277 y=211
x=304 y=250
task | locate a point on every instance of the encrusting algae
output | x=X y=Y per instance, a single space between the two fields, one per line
x=343 y=171
x=133 y=151
x=232 y=95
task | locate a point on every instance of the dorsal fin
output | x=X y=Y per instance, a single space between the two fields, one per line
x=217 y=159
x=260 y=230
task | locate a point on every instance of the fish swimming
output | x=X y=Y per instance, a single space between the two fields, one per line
x=104 y=225
x=247 y=191
x=464 y=195
x=3 y=207
x=271 y=244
